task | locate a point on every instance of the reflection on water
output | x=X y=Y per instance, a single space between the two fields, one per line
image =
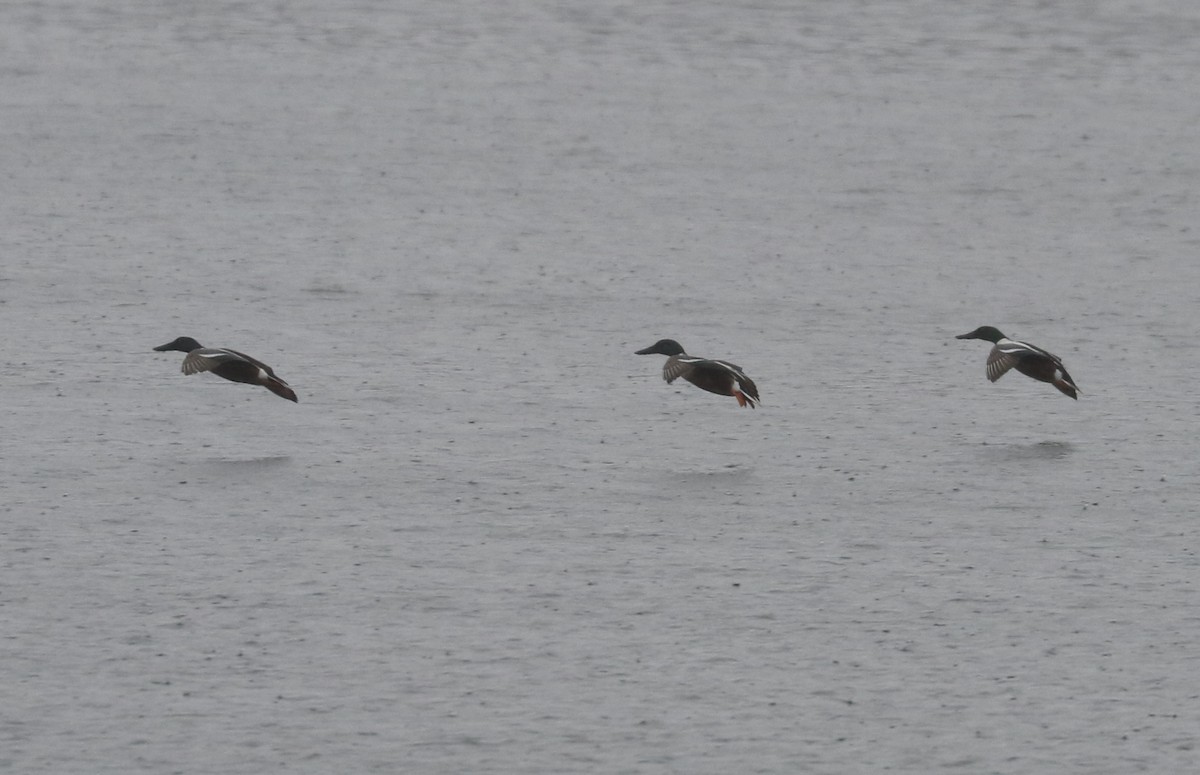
x=728 y=473
x=248 y=462
x=1042 y=450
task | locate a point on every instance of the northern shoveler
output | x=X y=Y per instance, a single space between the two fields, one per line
x=718 y=377
x=230 y=364
x=1025 y=358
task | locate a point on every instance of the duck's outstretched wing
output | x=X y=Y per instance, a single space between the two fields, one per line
x=1008 y=353
x=210 y=358
x=999 y=362
x=681 y=366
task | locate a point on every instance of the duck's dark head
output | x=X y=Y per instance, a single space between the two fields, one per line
x=184 y=344
x=989 y=333
x=663 y=347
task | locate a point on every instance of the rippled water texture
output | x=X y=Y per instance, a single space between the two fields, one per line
x=490 y=538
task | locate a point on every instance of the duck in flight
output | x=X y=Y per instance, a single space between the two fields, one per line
x=1029 y=360
x=230 y=364
x=720 y=377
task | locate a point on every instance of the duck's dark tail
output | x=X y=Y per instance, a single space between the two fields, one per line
x=1063 y=381
x=281 y=389
x=1067 y=388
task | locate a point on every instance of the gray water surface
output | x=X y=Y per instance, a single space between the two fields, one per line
x=489 y=538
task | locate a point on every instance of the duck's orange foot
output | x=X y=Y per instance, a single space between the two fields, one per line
x=741 y=399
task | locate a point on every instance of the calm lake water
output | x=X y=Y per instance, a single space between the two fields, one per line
x=490 y=538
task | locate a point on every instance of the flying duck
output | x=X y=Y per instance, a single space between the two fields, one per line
x=1025 y=358
x=720 y=377
x=230 y=364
